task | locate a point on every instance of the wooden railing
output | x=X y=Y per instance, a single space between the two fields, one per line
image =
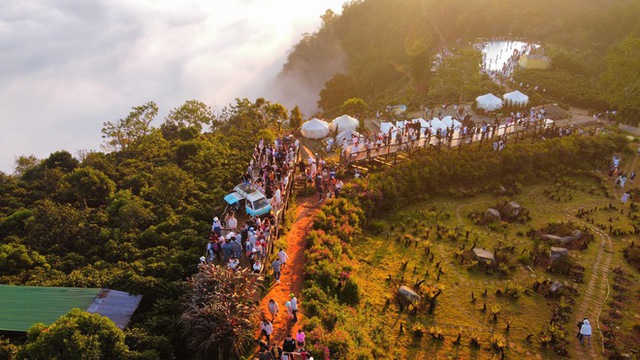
x=512 y=132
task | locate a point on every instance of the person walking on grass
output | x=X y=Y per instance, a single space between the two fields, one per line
x=274 y=309
x=585 y=331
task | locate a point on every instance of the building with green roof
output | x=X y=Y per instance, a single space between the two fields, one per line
x=23 y=306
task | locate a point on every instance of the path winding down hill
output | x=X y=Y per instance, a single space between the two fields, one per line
x=292 y=275
x=595 y=294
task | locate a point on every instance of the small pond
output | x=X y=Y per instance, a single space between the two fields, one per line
x=500 y=56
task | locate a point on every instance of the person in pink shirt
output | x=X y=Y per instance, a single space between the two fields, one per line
x=300 y=337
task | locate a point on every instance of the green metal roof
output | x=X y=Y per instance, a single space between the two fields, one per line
x=23 y=306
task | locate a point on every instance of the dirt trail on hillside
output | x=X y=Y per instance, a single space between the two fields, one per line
x=292 y=275
x=596 y=291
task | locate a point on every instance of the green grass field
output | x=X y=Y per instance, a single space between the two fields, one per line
x=397 y=257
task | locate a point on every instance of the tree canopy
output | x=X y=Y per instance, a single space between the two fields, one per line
x=77 y=335
x=133 y=219
x=623 y=76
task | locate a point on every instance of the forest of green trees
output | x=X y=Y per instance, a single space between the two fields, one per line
x=134 y=219
x=384 y=50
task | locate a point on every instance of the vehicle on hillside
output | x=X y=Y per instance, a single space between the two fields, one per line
x=255 y=202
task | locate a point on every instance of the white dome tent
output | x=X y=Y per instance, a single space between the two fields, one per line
x=516 y=98
x=386 y=126
x=489 y=102
x=344 y=122
x=449 y=122
x=436 y=124
x=347 y=135
x=314 y=129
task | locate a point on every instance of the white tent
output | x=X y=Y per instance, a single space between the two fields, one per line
x=516 y=98
x=423 y=123
x=386 y=126
x=344 y=122
x=436 y=124
x=448 y=121
x=489 y=102
x=314 y=129
x=347 y=135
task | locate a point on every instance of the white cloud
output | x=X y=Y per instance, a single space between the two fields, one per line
x=67 y=66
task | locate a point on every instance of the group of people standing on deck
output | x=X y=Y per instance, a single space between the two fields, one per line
x=321 y=176
x=273 y=164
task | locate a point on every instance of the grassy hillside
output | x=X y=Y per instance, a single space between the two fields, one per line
x=472 y=309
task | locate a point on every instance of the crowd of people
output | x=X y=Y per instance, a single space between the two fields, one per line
x=268 y=172
x=291 y=349
x=321 y=176
x=418 y=132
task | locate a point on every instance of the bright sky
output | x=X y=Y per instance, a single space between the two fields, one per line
x=67 y=66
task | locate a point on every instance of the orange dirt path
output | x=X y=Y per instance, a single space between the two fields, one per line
x=292 y=274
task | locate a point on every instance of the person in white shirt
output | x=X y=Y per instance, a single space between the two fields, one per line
x=585 y=331
x=233 y=263
x=282 y=255
x=257 y=266
x=232 y=222
x=266 y=328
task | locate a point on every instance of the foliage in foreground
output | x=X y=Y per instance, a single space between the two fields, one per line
x=77 y=335
x=220 y=312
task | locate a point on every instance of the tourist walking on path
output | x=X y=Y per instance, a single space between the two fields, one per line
x=274 y=309
x=300 y=337
x=585 y=331
x=266 y=329
x=288 y=347
x=276 y=269
x=276 y=351
x=216 y=226
x=282 y=255
x=294 y=306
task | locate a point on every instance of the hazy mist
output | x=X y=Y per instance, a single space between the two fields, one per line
x=68 y=66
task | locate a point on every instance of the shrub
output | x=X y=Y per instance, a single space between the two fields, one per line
x=350 y=294
x=312 y=323
x=76 y=335
x=513 y=290
x=498 y=342
x=340 y=344
x=7 y=349
x=376 y=227
x=418 y=330
x=426 y=175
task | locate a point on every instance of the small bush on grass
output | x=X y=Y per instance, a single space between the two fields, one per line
x=418 y=330
x=375 y=227
x=350 y=293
